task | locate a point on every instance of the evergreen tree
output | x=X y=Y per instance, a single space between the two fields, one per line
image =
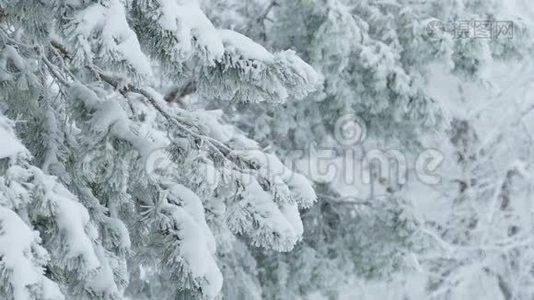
x=171 y=149
x=115 y=191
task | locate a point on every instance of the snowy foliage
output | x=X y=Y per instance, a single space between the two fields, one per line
x=107 y=191
x=157 y=149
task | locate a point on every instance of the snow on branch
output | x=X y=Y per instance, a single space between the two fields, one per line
x=115 y=43
x=227 y=65
x=22 y=259
x=247 y=72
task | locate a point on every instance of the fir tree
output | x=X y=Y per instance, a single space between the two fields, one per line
x=116 y=192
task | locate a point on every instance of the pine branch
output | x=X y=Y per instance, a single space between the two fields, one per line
x=62 y=74
x=179 y=93
x=222 y=150
x=216 y=145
